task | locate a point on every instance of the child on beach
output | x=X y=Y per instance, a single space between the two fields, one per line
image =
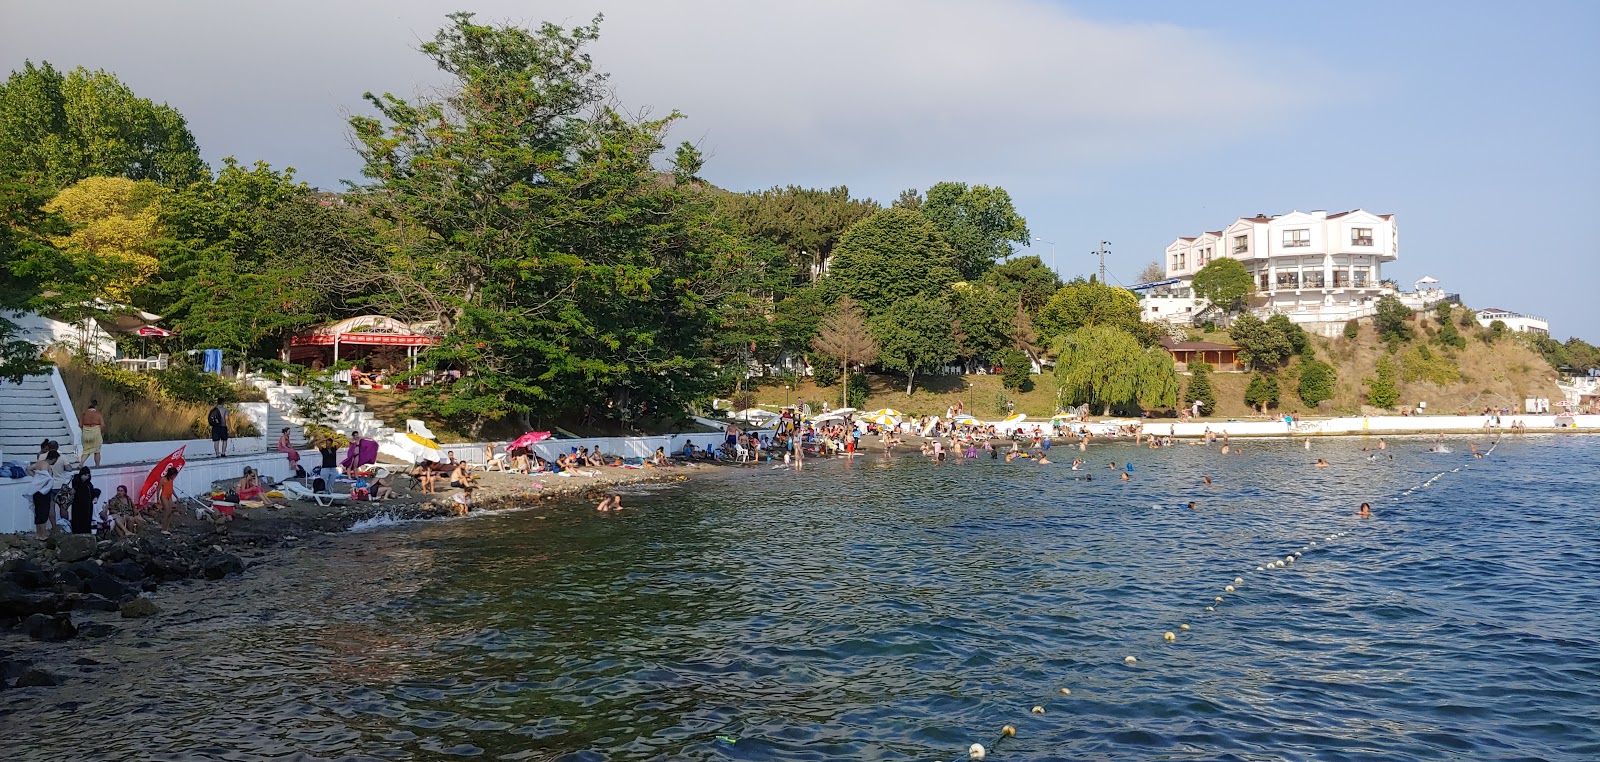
x=462 y=501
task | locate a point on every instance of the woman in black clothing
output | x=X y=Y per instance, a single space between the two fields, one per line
x=84 y=496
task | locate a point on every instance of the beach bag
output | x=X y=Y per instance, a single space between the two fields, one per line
x=319 y=485
x=15 y=471
x=359 y=493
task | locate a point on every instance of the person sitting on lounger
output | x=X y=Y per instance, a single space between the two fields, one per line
x=461 y=478
x=249 y=487
x=425 y=476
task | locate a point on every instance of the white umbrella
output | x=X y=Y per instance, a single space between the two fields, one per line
x=844 y=410
x=882 y=418
x=1427 y=280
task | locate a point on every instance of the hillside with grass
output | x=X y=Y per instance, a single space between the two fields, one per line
x=1457 y=370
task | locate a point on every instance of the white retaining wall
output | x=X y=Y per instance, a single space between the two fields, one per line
x=1386 y=424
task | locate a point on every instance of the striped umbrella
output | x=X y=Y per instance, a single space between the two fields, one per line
x=884 y=417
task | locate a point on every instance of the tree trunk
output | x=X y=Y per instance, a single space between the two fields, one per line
x=844 y=374
x=1107 y=412
x=911 y=378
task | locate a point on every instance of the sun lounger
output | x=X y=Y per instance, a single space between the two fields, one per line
x=298 y=491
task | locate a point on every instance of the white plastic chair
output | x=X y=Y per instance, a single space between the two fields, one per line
x=299 y=491
x=744 y=453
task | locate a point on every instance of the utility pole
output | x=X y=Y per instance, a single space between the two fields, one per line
x=1102 y=252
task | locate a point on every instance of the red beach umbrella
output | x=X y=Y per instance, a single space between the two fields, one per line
x=152 y=483
x=529 y=439
x=155 y=332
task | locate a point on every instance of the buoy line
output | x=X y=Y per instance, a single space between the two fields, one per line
x=978 y=751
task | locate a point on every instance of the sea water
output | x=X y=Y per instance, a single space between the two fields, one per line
x=893 y=608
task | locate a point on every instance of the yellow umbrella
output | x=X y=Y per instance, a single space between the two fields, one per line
x=1018 y=418
x=883 y=417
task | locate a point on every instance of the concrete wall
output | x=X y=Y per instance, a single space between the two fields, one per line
x=1389 y=424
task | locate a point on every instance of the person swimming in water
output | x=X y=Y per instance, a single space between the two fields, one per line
x=1366 y=510
x=1208 y=481
x=1192 y=506
x=1322 y=463
x=1125 y=476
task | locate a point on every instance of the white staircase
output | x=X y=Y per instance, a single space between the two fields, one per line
x=347 y=414
x=31 y=412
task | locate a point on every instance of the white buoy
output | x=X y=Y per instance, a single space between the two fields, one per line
x=1169 y=637
x=1183 y=627
x=1218 y=599
x=1129 y=660
x=1066 y=691
x=1299 y=553
x=1238 y=580
x=1038 y=710
x=976 y=751
x=1261 y=568
x=1228 y=589
x=1211 y=608
x=1288 y=559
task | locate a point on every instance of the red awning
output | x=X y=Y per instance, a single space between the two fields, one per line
x=153 y=332
x=373 y=339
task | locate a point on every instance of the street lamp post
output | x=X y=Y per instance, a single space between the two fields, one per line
x=1052 y=252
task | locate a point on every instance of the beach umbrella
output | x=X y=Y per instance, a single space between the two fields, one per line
x=152 y=483
x=528 y=440
x=965 y=420
x=844 y=410
x=1061 y=417
x=420 y=447
x=884 y=417
x=1018 y=418
x=754 y=414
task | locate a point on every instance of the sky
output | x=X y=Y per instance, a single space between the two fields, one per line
x=1475 y=123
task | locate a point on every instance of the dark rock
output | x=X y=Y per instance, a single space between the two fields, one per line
x=18 y=601
x=48 y=627
x=140 y=607
x=75 y=547
x=84 y=661
x=219 y=565
x=28 y=574
x=37 y=678
x=110 y=587
x=128 y=570
x=86 y=569
x=11 y=669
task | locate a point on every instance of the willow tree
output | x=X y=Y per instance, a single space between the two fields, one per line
x=566 y=269
x=1155 y=379
x=1097 y=365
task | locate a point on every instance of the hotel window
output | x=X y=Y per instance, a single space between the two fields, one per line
x=1314 y=279
x=1361 y=277
x=1341 y=279
x=1361 y=236
x=1263 y=281
x=1294 y=238
x=1174 y=261
x=1288 y=279
x=1241 y=244
x=1183 y=261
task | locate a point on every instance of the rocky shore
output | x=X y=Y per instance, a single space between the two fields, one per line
x=47 y=587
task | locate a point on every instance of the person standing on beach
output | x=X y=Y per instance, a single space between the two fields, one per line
x=92 y=423
x=84 y=496
x=43 y=490
x=217 y=419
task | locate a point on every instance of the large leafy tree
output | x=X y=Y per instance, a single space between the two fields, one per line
x=1026 y=279
x=1223 y=282
x=979 y=222
x=889 y=257
x=61 y=128
x=1155 y=379
x=566 y=269
x=1083 y=303
x=806 y=222
x=796 y=319
x=1393 y=320
x=1262 y=345
x=27 y=260
x=244 y=260
x=844 y=338
x=1096 y=365
x=914 y=336
x=1317 y=382
x=1199 y=389
x=1383 y=387
x=116 y=223
x=984 y=316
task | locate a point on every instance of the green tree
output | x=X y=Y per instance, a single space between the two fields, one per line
x=1200 y=388
x=1025 y=279
x=889 y=257
x=1299 y=340
x=1015 y=368
x=1352 y=329
x=1317 y=382
x=1097 y=365
x=979 y=222
x=796 y=319
x=805 y=222
x=1448 y=335
x=57 y=129
x=1393 y=320
x=914 y=334
x=1155 y=379
x=565 y=268
x=116 y=223
x=844 y=338
x=1497 y=329
x=1086 y=303
x=1442 y=311
x=238 y=260
x=1262 y=391
x=1382 y=389
x=1261 y=344
x=984 y=315
x=1223 y=282
x=27 y=261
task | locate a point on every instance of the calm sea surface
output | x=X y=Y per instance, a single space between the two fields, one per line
x=900 y=609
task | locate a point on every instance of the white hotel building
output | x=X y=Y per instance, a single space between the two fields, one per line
x=1314 y=267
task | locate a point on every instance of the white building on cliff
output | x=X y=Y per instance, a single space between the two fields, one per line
x=1313 y=267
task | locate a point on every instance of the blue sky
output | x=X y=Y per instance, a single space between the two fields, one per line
x=1475 y=123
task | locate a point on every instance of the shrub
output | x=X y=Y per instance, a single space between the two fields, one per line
x=1200 y=388
x=1468 y=319
x=1443 y=311
x=1263 y=390
x=1497 y=329
x=1014 y=367
x=1382 y=391
x=187 y=384
x=1352 y=329
x=1449 y=336
x=1420 y=364
x=856 y=397
x=1317 y=381
x=824 y=371
x=1393 y=320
